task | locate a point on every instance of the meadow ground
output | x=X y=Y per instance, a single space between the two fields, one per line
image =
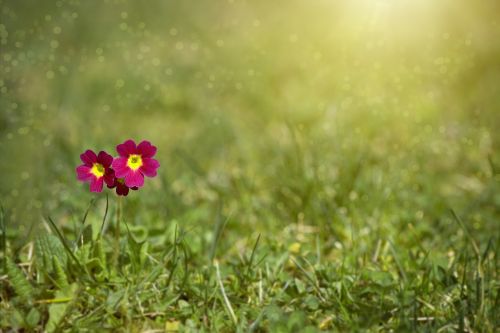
x=325 y=166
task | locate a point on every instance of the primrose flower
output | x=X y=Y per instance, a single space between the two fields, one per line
x=121 y=188
x=95 y=169
x=135 y=162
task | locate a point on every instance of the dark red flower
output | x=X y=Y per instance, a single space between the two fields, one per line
x=121 y=188
x=95 y=169
x=135 y=162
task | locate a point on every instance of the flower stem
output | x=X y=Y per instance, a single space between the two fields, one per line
x=117 y=229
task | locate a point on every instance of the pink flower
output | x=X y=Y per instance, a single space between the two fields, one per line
x=135 y=162
x=95 y=169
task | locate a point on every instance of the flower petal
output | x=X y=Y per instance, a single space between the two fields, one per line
x=109 y=178
x=121 y=189
x=96 y=184
x=83 y=173
x=88 y=157
x=134 y=179
x=126 y=148
x=120 y=166
x=105 y=159
x=149 y=167
x=146 y=149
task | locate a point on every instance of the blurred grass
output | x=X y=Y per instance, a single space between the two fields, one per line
x=236 y=85
x=343 y=124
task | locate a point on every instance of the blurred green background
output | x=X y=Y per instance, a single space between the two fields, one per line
x=375 y=114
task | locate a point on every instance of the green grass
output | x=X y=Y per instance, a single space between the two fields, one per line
x=324 y=166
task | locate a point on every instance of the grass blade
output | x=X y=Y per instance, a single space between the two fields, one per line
x=3 y=240
x=226 y=299
x=65 y=244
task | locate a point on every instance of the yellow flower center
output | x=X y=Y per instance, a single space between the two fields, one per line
x=134 y=161
x=97 y=170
